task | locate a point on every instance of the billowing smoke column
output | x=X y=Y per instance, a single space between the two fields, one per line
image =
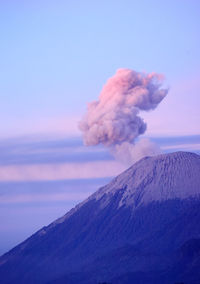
x=114 y=119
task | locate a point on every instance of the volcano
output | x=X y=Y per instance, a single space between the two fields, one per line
x=143 y=227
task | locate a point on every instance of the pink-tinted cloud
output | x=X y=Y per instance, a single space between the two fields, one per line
x=114 y=119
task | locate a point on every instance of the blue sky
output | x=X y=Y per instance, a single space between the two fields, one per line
x=55 y=57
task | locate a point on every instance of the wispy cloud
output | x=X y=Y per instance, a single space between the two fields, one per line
x=48 y=192
x=37 y=159
x=53 y=159
x=27 y=198
x=48 y=151
x=60 y=171
x=185 y=147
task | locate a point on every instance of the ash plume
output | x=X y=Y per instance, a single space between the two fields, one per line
x=113 y=120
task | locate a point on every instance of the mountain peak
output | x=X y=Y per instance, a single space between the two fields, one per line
x=157 y=178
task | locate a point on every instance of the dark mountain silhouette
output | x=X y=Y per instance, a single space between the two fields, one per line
x=143 y=227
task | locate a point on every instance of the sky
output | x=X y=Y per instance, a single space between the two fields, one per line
x=55 y=58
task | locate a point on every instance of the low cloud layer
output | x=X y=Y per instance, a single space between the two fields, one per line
x=68 y=159
x=51 y=172
x=114 y=119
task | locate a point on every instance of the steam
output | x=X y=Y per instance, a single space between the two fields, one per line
x=114 y=119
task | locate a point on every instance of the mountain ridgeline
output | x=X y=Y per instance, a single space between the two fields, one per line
x=143 y=227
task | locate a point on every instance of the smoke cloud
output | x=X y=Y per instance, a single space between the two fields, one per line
x=114 y=119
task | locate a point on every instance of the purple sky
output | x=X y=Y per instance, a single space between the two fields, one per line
x=55 y=58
